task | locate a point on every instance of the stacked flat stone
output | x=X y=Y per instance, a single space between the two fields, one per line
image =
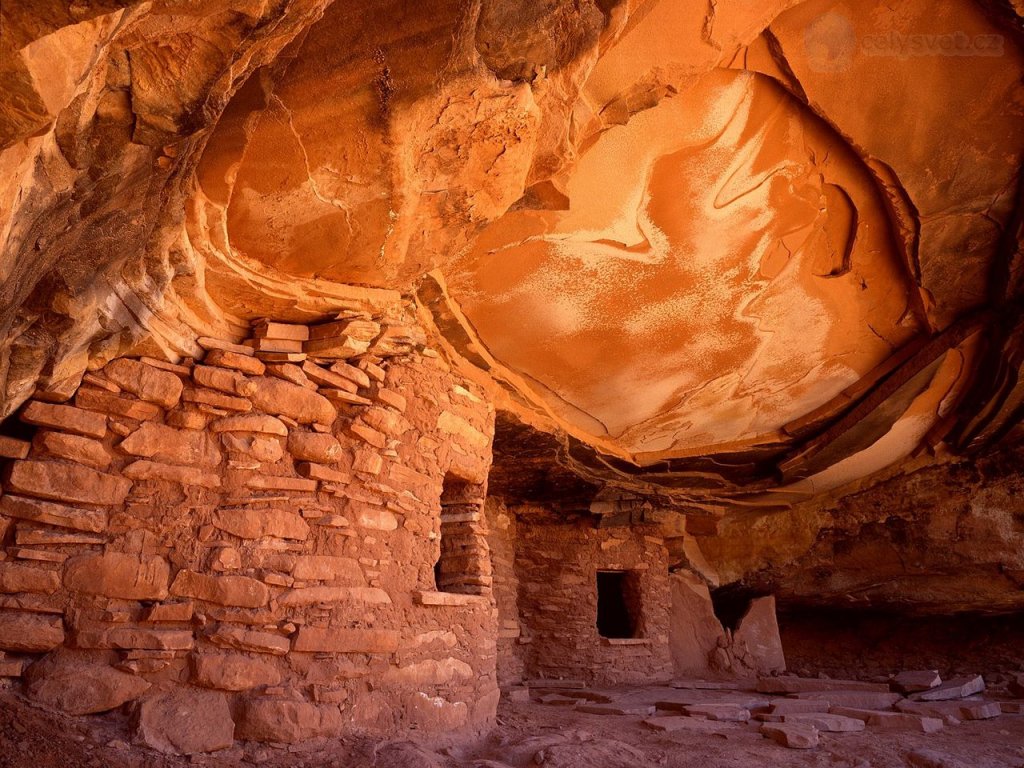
x=252 y=537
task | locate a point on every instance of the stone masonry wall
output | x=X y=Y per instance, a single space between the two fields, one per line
x=556 y=563
x=252 y=543
x=501 y=524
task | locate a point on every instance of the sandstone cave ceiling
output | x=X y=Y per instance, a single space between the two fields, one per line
x=742 y=253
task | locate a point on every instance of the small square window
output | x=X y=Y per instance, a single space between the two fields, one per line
x=618 y=604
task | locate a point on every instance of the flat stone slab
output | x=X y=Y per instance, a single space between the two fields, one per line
x=792 y=684
x=673 y=723
x=557 y=700
x=826 y=722
x=857 y=699
x=792 y=706
x=957 y=688
x=913 y=681
x=546 y=682
x=713 y=685
x=792 y=735
x=732 y=713
x=950 y=711
x=893 y=721
x=640 y=710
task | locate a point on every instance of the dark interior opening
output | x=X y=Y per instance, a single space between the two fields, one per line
x=463 y=563
x=731 y=604
x=617 y=604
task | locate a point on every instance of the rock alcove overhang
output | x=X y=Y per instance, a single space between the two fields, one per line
x=736 y=256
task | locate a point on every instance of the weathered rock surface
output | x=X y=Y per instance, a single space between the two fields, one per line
x=186 y=722
x=80 y=688
x=116 y=574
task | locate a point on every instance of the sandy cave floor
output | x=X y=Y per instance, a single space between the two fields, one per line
x=525 y=735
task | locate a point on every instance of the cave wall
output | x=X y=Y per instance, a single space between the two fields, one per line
x=930 y=537
x=556 y=563
x=224 y=535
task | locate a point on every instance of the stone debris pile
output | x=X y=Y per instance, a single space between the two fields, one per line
x=793 y=711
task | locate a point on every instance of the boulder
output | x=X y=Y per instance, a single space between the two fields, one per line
x=80 y=688
x=145 y=382
x=186 y=721
x=279 y=397
x=733 y=713
x=830 y=723
x=144 y=469
x=313 y=446
x=239 y=639
x=693 y=631
x=758 y=630
x=792 y=735
x=174 y=446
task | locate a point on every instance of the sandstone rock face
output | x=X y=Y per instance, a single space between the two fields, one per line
x=694 y=630
x=814 y=255
x=733 y=288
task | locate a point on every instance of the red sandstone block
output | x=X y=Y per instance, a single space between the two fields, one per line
x=144 y=381
x=268 y=329
x=115 y=405
x=17 y=577
x=53 y=514
x=66 y=418
x=82 y=450
x=66 y=482
x=234 y=360
x=29 y=632
x=208 y=343
x=13 y=449
x=327 y=640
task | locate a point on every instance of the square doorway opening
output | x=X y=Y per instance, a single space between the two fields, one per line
x=618 y=604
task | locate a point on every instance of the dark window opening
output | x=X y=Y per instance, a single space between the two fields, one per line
x=618 y=604
x=464 y=564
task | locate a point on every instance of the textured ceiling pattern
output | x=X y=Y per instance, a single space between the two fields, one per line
x=745 y=251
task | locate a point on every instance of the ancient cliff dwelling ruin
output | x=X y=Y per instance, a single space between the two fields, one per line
x=508 y=383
